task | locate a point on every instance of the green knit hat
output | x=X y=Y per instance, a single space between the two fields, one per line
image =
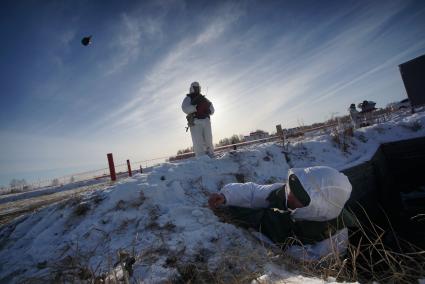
x=298 y=190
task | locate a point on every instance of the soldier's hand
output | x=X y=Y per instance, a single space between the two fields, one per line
x=215 y=200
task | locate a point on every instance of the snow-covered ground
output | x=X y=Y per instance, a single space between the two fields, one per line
x=319 y=149
x=4 y=198
x=162 y=218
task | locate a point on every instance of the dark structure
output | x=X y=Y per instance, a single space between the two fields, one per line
x=413 y=75
x=391 y=186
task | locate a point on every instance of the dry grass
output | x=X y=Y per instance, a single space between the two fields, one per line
x=77 y=266
x=342 y=138
x=368 y=259
x=81 y=209
x=373 y=258
x=235 y=266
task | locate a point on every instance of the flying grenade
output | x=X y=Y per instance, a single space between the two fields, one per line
x=86 y=40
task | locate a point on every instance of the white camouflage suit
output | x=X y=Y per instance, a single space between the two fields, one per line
x=328 y=189
x=355 y=117
x=201 y=130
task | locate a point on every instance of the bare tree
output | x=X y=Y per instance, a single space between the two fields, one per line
x=17 y=185
x=55 y=182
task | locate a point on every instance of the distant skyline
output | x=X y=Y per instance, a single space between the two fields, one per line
x=261 y=63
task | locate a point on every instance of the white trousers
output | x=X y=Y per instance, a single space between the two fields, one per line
x=202 y=137
x=355 y=121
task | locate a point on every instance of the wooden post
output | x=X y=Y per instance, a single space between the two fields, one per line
x=141 y=170
x=129 y=168
x=279 y=132
x=111 y=167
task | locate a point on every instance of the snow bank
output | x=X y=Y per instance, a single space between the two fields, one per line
x=322 y=149
x=162 y=216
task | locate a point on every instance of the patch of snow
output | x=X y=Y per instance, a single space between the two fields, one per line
x=280 y=275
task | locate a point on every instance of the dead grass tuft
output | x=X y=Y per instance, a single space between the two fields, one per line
x=139 y=201
x=368 y=259
x=120 y=205
x=233 y=268
x=342 y=138
x=81 y=209
x=240 y=178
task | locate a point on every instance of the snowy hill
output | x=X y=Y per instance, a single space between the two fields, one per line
x=162 y=218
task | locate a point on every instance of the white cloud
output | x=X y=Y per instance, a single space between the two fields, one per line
x=170 y=75
x=132 y=38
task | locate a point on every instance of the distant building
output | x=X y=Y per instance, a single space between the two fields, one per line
x=259 y=134
x=293 y=132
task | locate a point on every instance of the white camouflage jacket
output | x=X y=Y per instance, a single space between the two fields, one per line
x=328 y=190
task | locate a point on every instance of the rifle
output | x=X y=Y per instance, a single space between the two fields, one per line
x=190 y=120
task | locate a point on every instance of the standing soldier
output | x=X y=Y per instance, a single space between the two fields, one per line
x=198 y=109
x=355 y=116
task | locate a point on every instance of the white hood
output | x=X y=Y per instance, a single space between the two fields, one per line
x=328 y=190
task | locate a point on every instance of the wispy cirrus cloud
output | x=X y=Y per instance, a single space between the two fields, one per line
x=294 y=66
x=131 y=39
x=171 y=73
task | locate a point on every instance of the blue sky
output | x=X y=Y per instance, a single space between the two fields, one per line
x=262 y=63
